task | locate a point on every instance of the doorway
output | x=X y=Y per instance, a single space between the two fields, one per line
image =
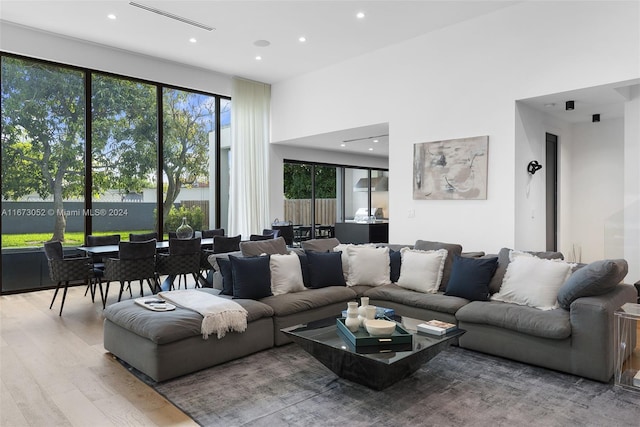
x=551 y=184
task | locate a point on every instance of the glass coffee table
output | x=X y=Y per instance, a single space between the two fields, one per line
x=377 y=368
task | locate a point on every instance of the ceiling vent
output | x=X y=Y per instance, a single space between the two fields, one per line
x=172 y=16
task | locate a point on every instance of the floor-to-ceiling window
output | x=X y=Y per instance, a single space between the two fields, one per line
x=189 y=132
x=124 y=150
x=330 y=194
x=85 y=152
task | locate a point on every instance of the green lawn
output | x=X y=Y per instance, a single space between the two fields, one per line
x=26 y=240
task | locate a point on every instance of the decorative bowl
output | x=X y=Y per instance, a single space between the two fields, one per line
x=379 y=327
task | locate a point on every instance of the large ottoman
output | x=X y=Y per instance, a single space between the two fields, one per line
x=165 y=345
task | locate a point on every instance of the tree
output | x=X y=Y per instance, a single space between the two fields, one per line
x=43 y=135
x=297 y=181
x=43 y=125
x=188 y=120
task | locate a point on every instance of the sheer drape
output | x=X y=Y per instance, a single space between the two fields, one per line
x=249 y=190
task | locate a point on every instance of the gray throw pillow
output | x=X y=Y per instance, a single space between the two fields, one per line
x=452 y=249
x=594 y=279
x=320 y=245
x=503 y=263
x=259 y=247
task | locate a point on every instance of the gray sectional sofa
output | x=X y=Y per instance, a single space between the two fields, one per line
x=577 y=339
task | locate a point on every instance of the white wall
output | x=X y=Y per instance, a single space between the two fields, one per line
x=597 y=184
x=530 y=193
x=463 y=81
x=47 y=46
x=632 y=185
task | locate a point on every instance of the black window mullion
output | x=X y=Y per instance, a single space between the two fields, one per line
x=159 y=179
x=88 y=156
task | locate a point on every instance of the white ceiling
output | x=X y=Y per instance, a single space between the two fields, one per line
x=332 y=30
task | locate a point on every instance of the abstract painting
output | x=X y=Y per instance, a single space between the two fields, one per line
x=454 y=169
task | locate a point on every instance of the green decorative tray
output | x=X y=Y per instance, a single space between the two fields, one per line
x=362 y=339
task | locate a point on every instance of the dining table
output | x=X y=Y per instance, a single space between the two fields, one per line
x=161 y=244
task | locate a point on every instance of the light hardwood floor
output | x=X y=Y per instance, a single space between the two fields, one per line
x=55 y=371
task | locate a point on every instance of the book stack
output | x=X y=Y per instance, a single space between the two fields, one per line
x=436 y=327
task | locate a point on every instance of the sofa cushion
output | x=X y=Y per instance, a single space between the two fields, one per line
x=320 y=245
x=368 y=266
x=435 y=302
x=503 y=263
x=452 y=249
x=421 y=270
x=169 y=326
x=594 y=279
x=288 y=304
x=470 y=277
x=251 y=277
x=325 y=269
x=259 y=247
x=286 y=274
x=554 y=324
x=533 y=281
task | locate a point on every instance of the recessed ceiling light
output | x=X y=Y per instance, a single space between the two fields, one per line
x=193 y=40
x=370 y=148
x=360 y=15
x=375 y=141
x=258 y=58
x=550 y=104
x=302 y=39
x=343 y=145
x=111 y=16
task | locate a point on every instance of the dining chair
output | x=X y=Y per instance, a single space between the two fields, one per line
x=206 y=250
x=183 y=259
x=63 y=270
x=135 y=261
x=285 y=231
x=98 y=260
x=223 y=244
x=271 y=232
x=143 y=237
x=256 y=237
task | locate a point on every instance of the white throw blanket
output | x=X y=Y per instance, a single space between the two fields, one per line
x=221 y=315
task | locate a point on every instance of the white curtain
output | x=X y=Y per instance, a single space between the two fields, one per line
x=249 y=192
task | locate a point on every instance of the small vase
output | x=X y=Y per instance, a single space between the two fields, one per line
x=352 y=322
x=184 y=231
x=362 y=310
x=370 y=313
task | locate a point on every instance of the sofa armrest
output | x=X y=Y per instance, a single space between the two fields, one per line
x=592 y=328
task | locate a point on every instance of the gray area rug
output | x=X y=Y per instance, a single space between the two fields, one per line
x=286 y=387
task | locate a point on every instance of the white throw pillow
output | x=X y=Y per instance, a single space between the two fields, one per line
x=421 y=270
x=286 y=274
x=533 y=281
x=342 y=247
x=368 y=266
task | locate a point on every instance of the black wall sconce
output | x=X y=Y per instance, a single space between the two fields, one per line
x=569 y=105
x=533 y=167
x=595 y=118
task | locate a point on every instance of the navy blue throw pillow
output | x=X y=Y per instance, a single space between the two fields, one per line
x=395 y=259
x=304 y=265
x=251 y=277
x=470 y=277
x=325 y=269
x=227 y=276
